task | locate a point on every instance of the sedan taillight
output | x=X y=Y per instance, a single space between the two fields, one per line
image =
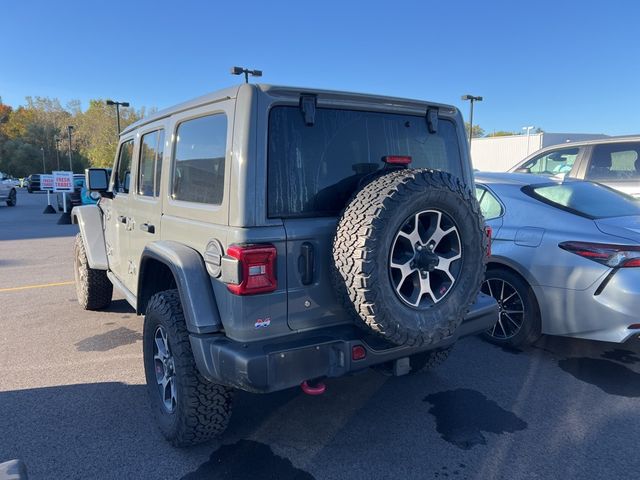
x=611 y=255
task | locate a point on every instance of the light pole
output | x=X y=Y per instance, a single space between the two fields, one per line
x=246 y=72
x=528 y=129
x=118 y=105
x=44 y=169
x=57 y=140
x=69 y=129
x=472 y=99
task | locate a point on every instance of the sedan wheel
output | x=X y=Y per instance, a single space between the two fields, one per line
x=518 y=320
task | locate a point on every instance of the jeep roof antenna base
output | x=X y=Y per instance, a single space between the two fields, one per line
x=246 y=72
x=308 y=105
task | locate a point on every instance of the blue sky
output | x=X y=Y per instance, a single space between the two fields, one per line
x=565 y=66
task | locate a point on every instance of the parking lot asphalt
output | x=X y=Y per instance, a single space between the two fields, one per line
x=73 y=402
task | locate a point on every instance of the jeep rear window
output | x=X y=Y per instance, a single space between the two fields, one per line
x=313 y=170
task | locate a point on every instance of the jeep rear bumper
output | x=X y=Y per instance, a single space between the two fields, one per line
x=280 y=363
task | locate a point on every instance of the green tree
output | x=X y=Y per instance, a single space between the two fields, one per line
x=96 y=131
x=478 y=131
x=28 y=130
x=501 y=133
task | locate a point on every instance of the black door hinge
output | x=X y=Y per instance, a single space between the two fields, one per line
x=432 y=120
x=308 y=105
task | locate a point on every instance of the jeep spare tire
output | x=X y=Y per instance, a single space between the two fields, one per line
x=409 y=255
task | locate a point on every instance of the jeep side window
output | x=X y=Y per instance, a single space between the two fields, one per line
x=552 y=163
x=150 y=164
x=199 y=158
x=123 y=169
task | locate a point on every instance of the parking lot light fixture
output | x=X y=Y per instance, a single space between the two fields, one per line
x=57 y=140
x=69 y=129
x=246 y=72
x=471 y=99
x=43 y=167
x=118 y=105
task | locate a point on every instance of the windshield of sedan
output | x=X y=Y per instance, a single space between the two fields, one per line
x=586 y=199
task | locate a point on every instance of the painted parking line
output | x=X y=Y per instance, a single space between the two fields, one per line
x=43 y=285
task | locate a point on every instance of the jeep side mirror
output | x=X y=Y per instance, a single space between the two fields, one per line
x=96 y=179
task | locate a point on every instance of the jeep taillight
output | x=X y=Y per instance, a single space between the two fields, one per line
x=256 y=269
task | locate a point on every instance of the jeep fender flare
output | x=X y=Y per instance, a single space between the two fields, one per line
x=192 y=281
x=89 y=219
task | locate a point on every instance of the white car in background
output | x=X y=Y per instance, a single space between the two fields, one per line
x=614 y=162
x=8 y=191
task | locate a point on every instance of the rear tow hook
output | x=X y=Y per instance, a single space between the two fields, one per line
x=313 y=387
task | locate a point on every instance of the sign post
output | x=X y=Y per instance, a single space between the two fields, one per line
x=46 y=183
x=63 y=182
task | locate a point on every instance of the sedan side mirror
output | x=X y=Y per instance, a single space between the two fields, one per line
x=96 y=179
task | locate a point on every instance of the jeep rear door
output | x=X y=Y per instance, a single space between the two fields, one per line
x=313 y=170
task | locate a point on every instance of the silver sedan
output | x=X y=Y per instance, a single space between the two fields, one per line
x=564 y=260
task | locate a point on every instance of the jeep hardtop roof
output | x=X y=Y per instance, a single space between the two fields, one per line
x=335 y=97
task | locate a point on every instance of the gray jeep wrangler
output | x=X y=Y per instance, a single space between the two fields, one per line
x=275 y=236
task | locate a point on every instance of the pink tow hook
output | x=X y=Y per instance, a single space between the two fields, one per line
x=311 y=387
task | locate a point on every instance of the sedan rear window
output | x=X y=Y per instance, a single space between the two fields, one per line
x=586 y=199
x=314 y=170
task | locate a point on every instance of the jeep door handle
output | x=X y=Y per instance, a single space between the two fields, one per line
x=122 y=219
x=145 y=227
x=306 y=263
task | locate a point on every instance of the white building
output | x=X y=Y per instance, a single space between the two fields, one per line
x=499 y=154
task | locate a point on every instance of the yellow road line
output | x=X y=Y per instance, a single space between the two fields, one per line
x=27 y=287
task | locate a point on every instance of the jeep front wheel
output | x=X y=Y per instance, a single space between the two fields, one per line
x=189 y=409
x=93 y=287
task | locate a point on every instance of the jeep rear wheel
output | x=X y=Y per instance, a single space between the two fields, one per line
x=93 y=287
x=409 y=255
x=189 y=409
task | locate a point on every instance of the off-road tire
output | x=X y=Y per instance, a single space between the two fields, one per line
x=93 y=287
x=362 y=245
x=203 y=409
x=422 y=362
x=13 y=199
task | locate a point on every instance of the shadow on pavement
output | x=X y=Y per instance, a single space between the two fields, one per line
x=109 y=340
x=26 y=221
x=106 y=430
